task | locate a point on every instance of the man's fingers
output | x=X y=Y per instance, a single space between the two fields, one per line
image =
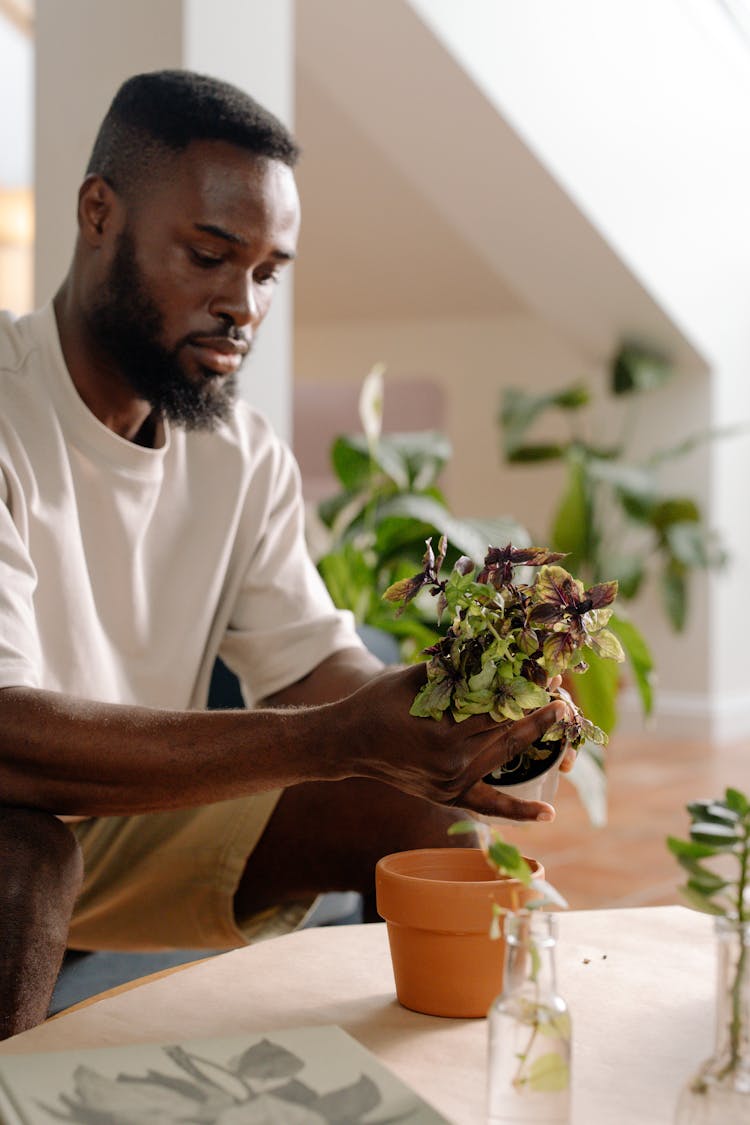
x=485 y=799
x=512 y=738
x=569 y=760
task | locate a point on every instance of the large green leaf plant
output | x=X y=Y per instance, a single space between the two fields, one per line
x=389 y=501
x=614 y=518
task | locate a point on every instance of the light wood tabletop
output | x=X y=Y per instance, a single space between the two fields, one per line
x=639 y=982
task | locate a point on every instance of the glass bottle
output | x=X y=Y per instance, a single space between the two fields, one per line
x=719 y=1092
x=528 y=1073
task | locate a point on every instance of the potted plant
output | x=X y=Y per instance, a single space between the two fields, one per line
x=716 y=858
x=509 y=642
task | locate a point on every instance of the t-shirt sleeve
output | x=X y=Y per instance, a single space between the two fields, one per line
x=20 y=657
x=283 y=623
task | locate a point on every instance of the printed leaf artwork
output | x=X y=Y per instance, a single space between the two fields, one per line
x=215 y=1083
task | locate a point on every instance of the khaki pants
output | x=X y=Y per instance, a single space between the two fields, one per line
x=167 y=880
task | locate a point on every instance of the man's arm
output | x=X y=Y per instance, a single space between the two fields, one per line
x=71 y=756
x=337 y=676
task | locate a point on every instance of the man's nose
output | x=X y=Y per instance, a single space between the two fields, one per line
x=238 y=304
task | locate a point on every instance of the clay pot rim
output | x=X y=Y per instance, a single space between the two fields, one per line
x=387 y=865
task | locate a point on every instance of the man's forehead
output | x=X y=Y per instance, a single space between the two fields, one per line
x=210 y=179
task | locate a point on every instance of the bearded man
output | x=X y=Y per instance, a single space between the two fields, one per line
x=149 y=523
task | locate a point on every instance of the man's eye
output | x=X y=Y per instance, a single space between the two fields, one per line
x=266 y=277
x=205 y=261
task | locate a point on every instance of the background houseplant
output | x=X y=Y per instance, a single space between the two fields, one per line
x=375 y=526
x=388 y=504
x=613 y=516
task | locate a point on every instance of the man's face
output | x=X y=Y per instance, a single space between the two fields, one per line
x=191 y=278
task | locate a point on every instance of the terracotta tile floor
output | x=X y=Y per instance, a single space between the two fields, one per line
x=626 y=863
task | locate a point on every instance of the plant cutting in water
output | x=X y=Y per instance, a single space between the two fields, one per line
x=716 y=858
x=539 y=1069
x=508 y=641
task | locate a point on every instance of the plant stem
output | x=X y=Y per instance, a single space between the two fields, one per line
x=737 y=986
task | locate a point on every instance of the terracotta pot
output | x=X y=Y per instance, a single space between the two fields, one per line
x=437 y=903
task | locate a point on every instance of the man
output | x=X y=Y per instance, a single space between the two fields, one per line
x=148 y=523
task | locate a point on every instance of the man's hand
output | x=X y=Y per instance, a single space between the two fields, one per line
x=443 y=761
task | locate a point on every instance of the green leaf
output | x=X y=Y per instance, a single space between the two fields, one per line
x=607 y=645
x=501 y=529
x=531 y=454
x=689 y=849
x=559 y=650
x=634 y=482
x=424 y=454
x=595 y=691
x=548 y=1074
x=519 y=410
x=350 y=581
x=629 y=570
x=432 y=699
x=572 y=521
x=738 y=802
x=704 y=881
x=462 y=828
x=674 y=593
x=676 y=509
x=527 y=695
x=509 y=861
x=714 y=812
x=689 y=544
x=639 y=657
x=636 y=368
x=462 y=534
x=699 y=901
x=720 y=835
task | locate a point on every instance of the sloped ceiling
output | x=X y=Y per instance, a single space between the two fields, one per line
x=372 y=246
x=434 y=157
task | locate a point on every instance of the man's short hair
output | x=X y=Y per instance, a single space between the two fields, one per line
x=158 y=114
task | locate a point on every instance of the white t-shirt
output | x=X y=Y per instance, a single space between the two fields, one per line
x=124 y=571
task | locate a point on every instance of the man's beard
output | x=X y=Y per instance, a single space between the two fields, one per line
x=127 y=324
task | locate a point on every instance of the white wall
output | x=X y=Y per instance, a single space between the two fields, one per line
x=16 y=79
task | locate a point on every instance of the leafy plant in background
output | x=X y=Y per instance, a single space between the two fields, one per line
x=389 y=502
x=508 y=642
x=613 y=517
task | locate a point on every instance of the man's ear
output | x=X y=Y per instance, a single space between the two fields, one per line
x=98 y=210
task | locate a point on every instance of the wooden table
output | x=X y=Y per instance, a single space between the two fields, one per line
x=640 y=984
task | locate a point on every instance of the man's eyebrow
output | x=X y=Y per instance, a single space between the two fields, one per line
x=237 y=240
x=220 y=232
